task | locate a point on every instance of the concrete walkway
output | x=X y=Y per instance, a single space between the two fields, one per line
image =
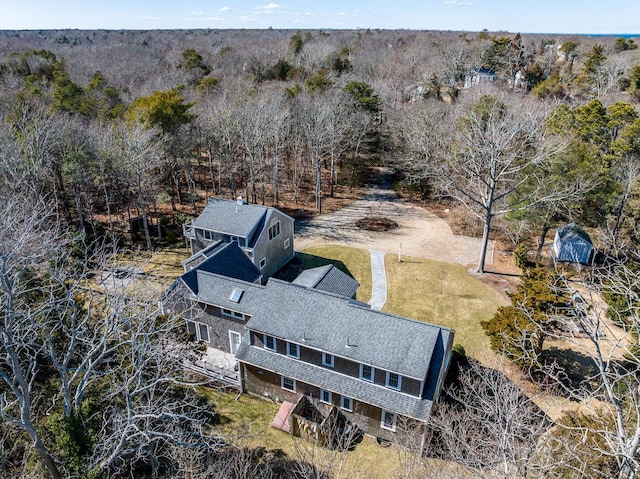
x=379 y=276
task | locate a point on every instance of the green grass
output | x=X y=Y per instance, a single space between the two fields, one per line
x=246 y=422
x=432 y=291
x=444 y=294
x=427 y=290
x=355 y=262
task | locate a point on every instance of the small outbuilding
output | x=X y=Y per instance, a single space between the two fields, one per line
x=573 y=244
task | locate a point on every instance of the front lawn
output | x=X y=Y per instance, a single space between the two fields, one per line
x=353 y=261
x=423 y=289
x=444 y=294
x=246 y=422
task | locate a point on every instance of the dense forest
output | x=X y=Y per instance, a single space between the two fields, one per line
x=110 y=140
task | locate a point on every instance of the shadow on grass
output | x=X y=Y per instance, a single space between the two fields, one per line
x=312 y=261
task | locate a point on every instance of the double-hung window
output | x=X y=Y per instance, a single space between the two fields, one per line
x=346 y=403
x=274 y=230
x=328 y=360
x=388 y=420
x=269 y=342
x=293 y=350
x=289 y=384
x=367 y=372
x=325 y=396
x=394 y=381
x=200 y=331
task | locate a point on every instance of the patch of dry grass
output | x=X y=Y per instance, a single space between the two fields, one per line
x=353 y=261
x=432 y=291
x=247 y=423
x=444 y=294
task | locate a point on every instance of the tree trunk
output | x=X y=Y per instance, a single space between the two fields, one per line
x=541 y=240
x=485 y=241
x=332 y=174
x=108 y=205
x=76 y=195
x=155 y=211
x=46 y=458
x=143 y=209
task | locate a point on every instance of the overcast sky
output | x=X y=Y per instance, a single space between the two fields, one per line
x=531 y=16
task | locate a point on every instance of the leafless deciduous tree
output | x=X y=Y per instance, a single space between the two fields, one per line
x=497 y=148
x=607 y=339
x=489 y=426
x=93 y=353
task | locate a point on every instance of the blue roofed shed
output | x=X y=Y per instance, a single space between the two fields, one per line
x=573 y=244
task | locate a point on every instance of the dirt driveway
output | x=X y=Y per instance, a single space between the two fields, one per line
x=421 y=233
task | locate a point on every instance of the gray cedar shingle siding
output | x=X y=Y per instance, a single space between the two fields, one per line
x=320 y=321
x=330 y=279
x=227 y=219
x=363 y=391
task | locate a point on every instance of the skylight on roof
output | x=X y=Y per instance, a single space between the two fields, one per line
x=236 y=294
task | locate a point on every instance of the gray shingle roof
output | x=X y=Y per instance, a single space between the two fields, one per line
x=324 y=378
x=571 y=231
x=330 y=323
x=211 y=250
x=328 y=278
x=216 y=289
x=231 y=218
x=226 y=259
x=338 y=326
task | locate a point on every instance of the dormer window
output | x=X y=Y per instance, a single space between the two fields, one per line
x=367 y=372
x=394 y=381
x=269 y=342
x=293 y=350
x=328 y=360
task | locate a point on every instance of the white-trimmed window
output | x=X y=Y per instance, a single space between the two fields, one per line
x=274 y=230
x=200 y=331
x=388 y=420
x=208 y=235
x=393 y=381
x=287 y=242
x=263 y=263
x=367 y=372
x=288 y=383
x=191 y=328
x=346 y=403
x=269 y=342
x=325 y=396
x=328 y=360
x=203 y=332
x=293 y=350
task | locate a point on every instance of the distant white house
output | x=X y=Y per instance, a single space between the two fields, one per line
x=478 y=76
x=573 y=244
